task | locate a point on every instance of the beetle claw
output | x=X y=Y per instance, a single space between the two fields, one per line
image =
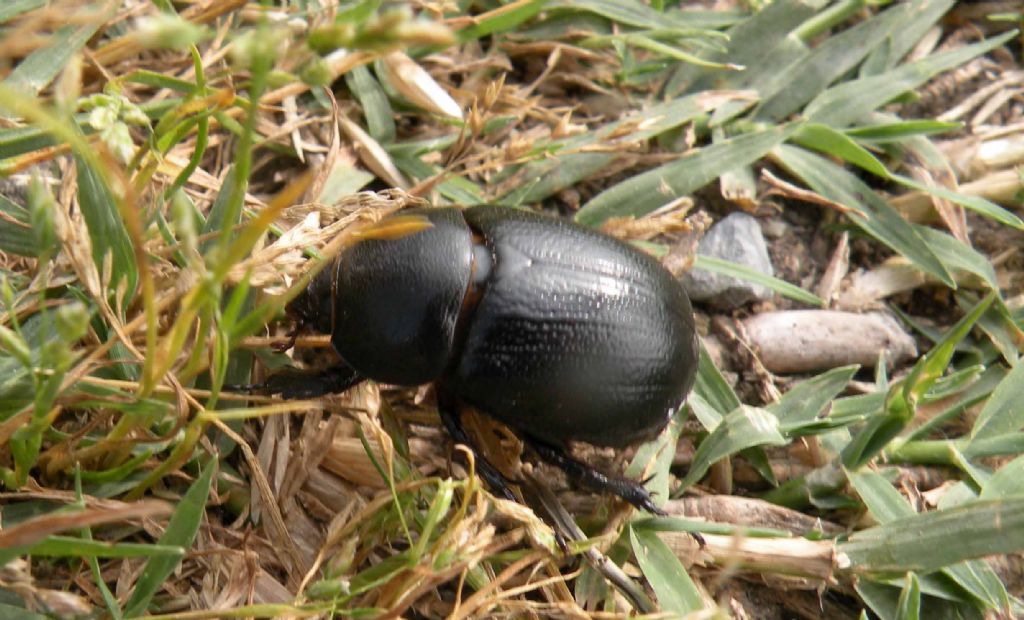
x=292 y=336
x=562 y=542
x=638 y=496
x=589 y=477
x=646 y=502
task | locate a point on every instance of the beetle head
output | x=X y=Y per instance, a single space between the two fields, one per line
x=313 y=306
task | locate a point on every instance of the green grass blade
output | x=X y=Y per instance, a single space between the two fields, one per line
x=343 y=180
x=675 y=590
x=500 y=21
x=717 y=18
x=801 y=81
x=829 y=141
x=880 y=598
x=975 y=203
x=981 y=582
x=15 y=233
x=548 y=177
x=729 y=268
x=751 y=42
x=13 y=8
x=958 y=257
x=904 y=397
x=712 y=386
x=647 y=191
x=106 y=228
x=653 y=460
x=844 y=104
x=909 y=605
x=38 y=69
x=882 y=500
x=680 y=524
x=438 y=511
x=1003 y=413
x=627 y=12
x=999 y=327
x=19 y=140
x=804 y=402
x=743 y=428
x=159 y=80
x=70 y=547
x=975 y=578
x=933 y=365
x=705 y=413
x=922 y=17
x=659 y=48
x=1006 y=444
x=459 y=190
x=879 y=430
x=931 y=540
x=17 y=388
x=1008 y=481
x=899 y=130
x=216 y=219
x=113 y=607
x=380 y=122
x=181 y=531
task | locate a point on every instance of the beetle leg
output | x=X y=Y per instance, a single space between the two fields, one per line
x=591 y=478
x=448 y=408
x=291 y=337
x=296 y=384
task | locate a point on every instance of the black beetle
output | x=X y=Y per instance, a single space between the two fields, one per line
x=558 y=331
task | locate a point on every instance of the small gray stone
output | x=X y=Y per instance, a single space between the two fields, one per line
x=774 y=228
x=737 y=238
x=795 y=341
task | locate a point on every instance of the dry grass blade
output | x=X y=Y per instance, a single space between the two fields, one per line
x=38 y=528
x=813 y=559
x=373 y=155
x=416 y=85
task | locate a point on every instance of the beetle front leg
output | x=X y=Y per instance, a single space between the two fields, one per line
x=593 y=479
x=293 y=384
x=448 y=408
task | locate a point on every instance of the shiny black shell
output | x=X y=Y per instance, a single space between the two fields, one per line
x=396 y=301
x=556 y=330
